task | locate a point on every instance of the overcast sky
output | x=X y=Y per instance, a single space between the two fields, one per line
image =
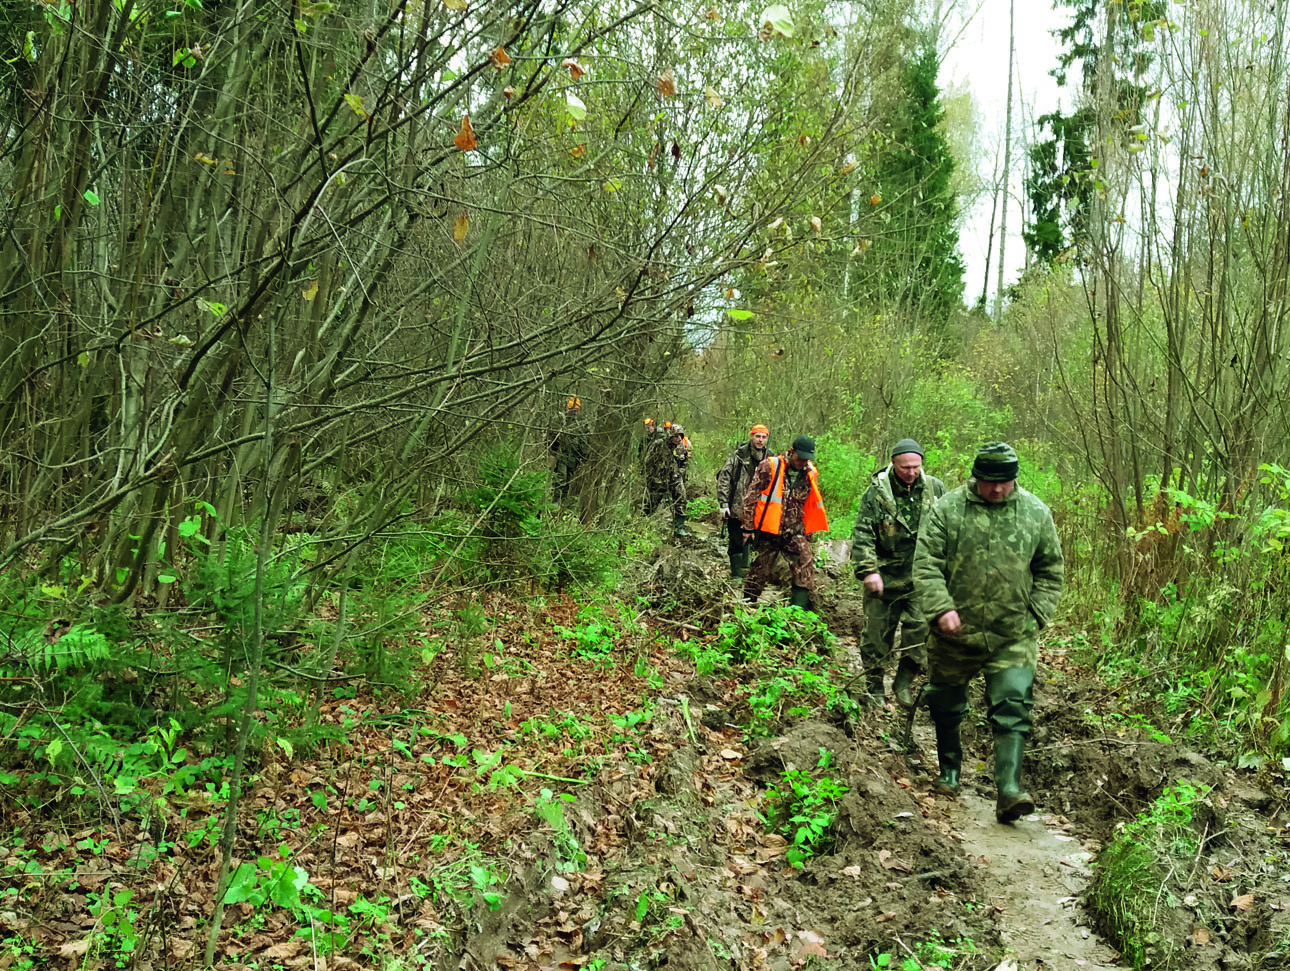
x=978 y=60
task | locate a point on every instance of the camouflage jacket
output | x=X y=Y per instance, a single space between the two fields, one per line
x=733 y=479
x=797 y=489
x=886 y=529
x=663 y=468
x=684 y=452
x=998 y=565
x=569 y=442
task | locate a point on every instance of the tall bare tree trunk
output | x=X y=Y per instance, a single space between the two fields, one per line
x=1007 y=157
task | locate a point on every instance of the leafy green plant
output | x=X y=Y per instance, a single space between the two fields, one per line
x=550 y=809
x=596 y=634
x=803 y=810
x=116 y=931
x=772 y=631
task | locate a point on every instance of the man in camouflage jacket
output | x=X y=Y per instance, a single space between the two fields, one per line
x=570 y=446
x=663 y=476
x=732 y=483
x=988 y=573
x=882 y=549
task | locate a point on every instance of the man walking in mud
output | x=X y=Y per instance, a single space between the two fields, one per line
x=988 y=573
x=782 y=510
x=898 y=499
x=732 y=483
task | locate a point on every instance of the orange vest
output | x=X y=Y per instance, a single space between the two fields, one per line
x=770 y=504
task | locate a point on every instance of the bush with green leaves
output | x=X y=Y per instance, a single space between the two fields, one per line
x=803 y=809
x=599 y=630
x=773 y=631
x=514 y=533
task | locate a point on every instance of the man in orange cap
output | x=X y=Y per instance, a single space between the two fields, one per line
x=651 y=433
x=570 y=447
x=732 y=483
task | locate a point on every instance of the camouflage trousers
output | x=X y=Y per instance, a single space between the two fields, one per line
x=796 y=550
x=655 y=498
x=883 y=617
x=955 y=660
x=563 y=478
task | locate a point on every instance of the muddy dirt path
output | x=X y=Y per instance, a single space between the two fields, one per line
x=1034 y=874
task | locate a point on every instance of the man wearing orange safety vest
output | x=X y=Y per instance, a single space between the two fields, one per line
x=782 y=510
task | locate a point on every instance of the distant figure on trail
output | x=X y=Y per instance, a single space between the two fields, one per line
x=988 y=573
x=651 y=433
x=570 y=447
x=684 y=452
x=898 y=499
x=732 y=483
x=782 y=510
x=663 y=476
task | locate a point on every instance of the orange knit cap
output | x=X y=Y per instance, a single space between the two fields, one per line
x=759 y=428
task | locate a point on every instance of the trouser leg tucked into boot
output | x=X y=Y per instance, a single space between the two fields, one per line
x=1010 y=696
x=947 y=704
x=902 y=686
x=874 y=685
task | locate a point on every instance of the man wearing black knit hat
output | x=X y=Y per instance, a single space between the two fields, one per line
x=899 y=497
x=988 y=573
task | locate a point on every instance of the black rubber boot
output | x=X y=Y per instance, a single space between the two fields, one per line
x=877 y=694
x=800 y=597
x=947 y=704
x=1010 y=695
x=738 y=565
x=678 y=526
x=902 y=686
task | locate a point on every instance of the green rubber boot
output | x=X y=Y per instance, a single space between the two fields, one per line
x=678 y=527
x=800 y=597
x=947 y=704
x=902 y=686
x=738 y=565
x=1010 y=696
x=1012 y=803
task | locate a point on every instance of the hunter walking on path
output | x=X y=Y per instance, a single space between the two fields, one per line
x=988 y=574
x=664 y=479
x=783 y=509
x=899 y=498
x=570 y=447
x=732 y=483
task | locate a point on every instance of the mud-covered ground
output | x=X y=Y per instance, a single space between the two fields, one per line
x=433 y=826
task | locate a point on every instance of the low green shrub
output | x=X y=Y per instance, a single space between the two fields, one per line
x=1135 y=890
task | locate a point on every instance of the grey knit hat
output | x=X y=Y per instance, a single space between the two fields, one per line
x=906 y=445
x=995 y=462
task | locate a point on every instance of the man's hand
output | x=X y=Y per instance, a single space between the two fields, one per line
x=873 y=584
x=949 y=622
x=748 y=536
x=725 y=512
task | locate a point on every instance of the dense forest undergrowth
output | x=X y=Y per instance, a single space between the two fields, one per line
x=659 y=778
